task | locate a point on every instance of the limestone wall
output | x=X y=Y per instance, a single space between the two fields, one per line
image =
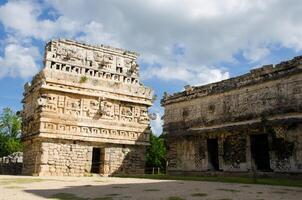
x=273 y=98
x=12 y=164
x=31 y=157
x=190 y=154
x=127 y=159
x=265 y=101
x=70 y=158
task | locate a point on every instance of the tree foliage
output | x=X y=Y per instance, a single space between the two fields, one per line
x=156 y=152
x=10 y=129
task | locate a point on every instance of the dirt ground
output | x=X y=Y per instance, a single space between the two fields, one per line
x=101 y=188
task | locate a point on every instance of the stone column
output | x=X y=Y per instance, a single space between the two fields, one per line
x=249 y=160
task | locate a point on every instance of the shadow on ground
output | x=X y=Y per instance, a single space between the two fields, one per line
x=167 y=190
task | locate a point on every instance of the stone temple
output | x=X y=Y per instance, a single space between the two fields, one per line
x=85 y=112
x=247 y=124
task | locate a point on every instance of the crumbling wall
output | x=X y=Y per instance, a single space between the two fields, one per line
x=31 y=156
x=270 y=98
x=265 y=102
x=190 y=154
x=286 y=148
x=125 y=159
x=11 y=164
x=234 y=152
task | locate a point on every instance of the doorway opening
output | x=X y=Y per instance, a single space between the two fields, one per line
x=260 y=152
x=96 y=161
x=213 y=154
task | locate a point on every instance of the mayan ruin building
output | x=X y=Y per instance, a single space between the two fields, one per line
x=85 y=112
x=250 y=123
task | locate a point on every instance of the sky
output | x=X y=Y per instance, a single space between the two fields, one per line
x=180 y=42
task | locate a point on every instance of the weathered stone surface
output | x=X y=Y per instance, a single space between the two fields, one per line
x=266 y=101
x=11 y=164
x=85 y=97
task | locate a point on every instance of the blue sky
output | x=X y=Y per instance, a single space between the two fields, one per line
x=180 y=42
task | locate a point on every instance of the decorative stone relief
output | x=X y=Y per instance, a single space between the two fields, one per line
x=86 y=98
x=93 y=108
x=56 y=128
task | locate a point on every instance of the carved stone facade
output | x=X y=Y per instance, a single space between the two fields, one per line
x=85 y=112
x=248 y=123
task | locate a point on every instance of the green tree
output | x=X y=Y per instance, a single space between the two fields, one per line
x=156 y=152
x=10 y=131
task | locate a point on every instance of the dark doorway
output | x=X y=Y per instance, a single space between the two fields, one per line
x=213 y=154
x=96 y=160
x=260 y=152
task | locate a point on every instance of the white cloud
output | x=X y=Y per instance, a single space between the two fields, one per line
x=19 y=61
x=94 y=33
x=22 y=18
x=210 y=32
x=256 y=54
x=210 y=76
x=193 y=76
x=22 y=22
x=19 y=15
x=156 y=125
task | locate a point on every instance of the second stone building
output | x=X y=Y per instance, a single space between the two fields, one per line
x=248 y=123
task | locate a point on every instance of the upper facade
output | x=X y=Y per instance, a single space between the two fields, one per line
x=102 y=62
x=89 y=93
x=270 y=92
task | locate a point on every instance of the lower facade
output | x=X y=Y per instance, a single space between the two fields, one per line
x=241 y=151
x=57 y=157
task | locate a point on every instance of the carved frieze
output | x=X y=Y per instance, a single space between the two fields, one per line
x=58 y=128
x=92 y=62
x=100 y=108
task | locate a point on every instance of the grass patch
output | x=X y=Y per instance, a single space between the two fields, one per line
x=291 y=190
x=70 y=196
x=279 y=192
x=225 y=179
x=112 y=195
x=103 y=198
x=151 y=190
x=175 y=198
x=66 y=196
x=83 y=79
x=199 y=194
x=20 y=181
x=102 y=181
x=127 y=197
x=14 y=187
x=245 y=186
x=228 y=190
x=120 y=187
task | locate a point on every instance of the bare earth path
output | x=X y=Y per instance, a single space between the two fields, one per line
x=100 y=188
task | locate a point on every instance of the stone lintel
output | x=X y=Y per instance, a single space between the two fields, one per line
x=92 y=139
